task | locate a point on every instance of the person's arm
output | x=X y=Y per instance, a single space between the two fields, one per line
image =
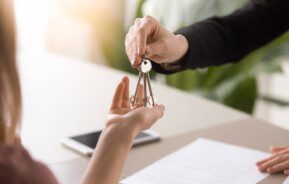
x=110 y=154
x=219 y=40
x=211 y=42
x=115 y=142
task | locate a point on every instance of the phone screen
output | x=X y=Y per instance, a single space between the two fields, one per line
x=91 y=139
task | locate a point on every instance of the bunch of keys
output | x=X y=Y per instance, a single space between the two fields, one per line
x=144 y=70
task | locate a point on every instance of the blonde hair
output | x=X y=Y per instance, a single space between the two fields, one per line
x=10 y=96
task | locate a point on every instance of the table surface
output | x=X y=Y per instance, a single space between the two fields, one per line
x=64 y=96
x=248 y=133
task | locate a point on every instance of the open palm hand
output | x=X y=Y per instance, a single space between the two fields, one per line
x=139 y=117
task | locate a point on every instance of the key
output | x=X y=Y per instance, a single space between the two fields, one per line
x=144 y=70
x=145 y=66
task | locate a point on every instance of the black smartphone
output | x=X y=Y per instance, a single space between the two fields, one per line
x=85 y=143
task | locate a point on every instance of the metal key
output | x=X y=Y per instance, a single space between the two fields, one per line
x=144 y=76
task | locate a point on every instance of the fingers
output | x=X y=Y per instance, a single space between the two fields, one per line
x=137 y=57
x=267 y=166
x=147 y=27
x=125 y=95
x=272 y=156
x=275 y=163
x=130 y=46
x=265 y=160
x=279 y=167
x=137 y=38
x=117 y=99
x=275 y=149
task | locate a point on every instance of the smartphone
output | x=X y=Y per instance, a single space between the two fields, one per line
x=85 y=143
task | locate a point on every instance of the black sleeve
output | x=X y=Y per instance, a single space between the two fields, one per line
x=219 y=40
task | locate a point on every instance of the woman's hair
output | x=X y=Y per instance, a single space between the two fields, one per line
x=10 y=97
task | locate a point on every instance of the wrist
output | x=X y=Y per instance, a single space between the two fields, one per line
x=122 y=129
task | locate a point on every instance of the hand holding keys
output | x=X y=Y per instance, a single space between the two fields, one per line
x=144 y=70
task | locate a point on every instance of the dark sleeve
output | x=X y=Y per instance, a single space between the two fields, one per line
x=220 y=40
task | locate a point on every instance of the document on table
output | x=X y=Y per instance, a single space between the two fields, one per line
x=203 y=162
x=286 y=181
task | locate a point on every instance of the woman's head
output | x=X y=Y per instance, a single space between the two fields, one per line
x=10 y=98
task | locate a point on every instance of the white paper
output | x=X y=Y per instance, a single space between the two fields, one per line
x=203 y=162
x=286 y=181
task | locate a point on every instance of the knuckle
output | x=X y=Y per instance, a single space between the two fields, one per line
x=149 y=21
x=276 y=154
x=130 y=28
x=281 y=165
x=129 y=54
x=283 y=157
x=279 y=158
x=130 y=31
x=126 y=48
x=137 y=20
x=149 y=17
x=140 y=31
x=127 y=37
x=131 y=57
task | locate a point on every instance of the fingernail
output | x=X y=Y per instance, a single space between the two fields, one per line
x=138 y=51
x=125 y=78
x=286 y=171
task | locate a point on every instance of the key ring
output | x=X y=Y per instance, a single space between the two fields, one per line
x=144 y=69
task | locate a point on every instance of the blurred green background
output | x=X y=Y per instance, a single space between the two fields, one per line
x=234 y=85
x=97 y=30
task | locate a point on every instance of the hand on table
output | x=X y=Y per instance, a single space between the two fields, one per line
x=277 y=162
x=134 y=118
x=148 y=37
